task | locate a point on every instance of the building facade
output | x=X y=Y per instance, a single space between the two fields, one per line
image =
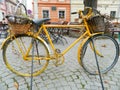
x=10 y=6
x=2 y=9
x=61 y=9
x=55 y=9
x=7 y=7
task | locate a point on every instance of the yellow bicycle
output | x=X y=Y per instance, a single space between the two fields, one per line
x=18 y=49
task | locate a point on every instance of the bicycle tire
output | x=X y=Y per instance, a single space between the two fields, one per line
x=108 y=54
x=15 y=61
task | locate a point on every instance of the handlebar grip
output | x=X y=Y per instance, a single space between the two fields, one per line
x=74 y=12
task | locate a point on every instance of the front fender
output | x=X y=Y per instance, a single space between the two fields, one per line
x=81 y=45
x=79 y=50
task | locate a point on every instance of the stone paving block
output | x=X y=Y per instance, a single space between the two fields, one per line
x=52 y=85
x=112 y=82
x=60 y=88
x=11 y=85
x=45 y=78
x=87 y=86
x=8 y=81
x=9 y=76
x=34 y=87
x=64 y=83
x=3 y=87
x=93 y=87
x=67 y=88
x=5 y=74
x=72 y=84
x=52 y=88
x=77 y=81
x=24 y=89
x=12 y=88
x=24 y=86
x=74 y=88
x=43 y=88
x=80 y=85
x=69 y=78
x=40 y=85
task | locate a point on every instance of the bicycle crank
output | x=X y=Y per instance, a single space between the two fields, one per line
x=59 y=58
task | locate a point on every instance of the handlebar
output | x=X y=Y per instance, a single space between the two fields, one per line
x=87 y=13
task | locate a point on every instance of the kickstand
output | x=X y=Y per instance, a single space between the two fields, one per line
x=97 y=65
x=31 y=83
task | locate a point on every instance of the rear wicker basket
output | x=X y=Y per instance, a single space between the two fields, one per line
x=96 y=24
x=18 y=23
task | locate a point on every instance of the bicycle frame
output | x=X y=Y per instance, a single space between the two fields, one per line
x=86 y=33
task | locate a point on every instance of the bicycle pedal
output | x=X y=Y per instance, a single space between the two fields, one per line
x=58 y=50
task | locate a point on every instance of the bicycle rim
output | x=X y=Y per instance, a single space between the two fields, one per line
x=107 y=50
x=14 y=60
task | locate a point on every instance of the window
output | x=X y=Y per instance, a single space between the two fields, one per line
x=1 y=16
x=45 y=14
x=1 y=1
x=61 y=14
x=112 y=14
x=44 y=0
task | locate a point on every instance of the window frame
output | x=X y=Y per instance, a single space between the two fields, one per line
x=45 y=0
x=112 y=14
x=61 y=0
x=59 y=14
x=48 y=13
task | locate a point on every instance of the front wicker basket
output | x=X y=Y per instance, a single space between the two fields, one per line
x=96 y=24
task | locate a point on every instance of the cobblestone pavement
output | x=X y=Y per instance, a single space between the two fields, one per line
x=69 y=76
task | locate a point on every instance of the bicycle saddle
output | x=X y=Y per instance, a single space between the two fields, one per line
x=38 y=22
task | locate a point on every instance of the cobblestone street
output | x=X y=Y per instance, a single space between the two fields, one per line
x=69 y=76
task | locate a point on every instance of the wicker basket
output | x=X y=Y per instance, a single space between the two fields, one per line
x=19 y=28
x=19 y=24
x=96 y=24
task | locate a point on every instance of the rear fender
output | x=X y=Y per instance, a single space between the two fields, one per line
x=44 y=43
x=3 y=43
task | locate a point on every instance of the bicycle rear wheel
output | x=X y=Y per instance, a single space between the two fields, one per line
x=107 y=51
x=15 y=61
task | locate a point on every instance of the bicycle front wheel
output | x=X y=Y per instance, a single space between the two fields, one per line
x=107 y=52
x=13 y=55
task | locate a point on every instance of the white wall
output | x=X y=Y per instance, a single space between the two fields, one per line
x=1 y=17
x=104 y=6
